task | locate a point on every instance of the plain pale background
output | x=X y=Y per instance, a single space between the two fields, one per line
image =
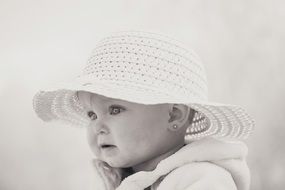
x=42 y=42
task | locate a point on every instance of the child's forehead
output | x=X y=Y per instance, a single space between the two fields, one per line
x=87 y=98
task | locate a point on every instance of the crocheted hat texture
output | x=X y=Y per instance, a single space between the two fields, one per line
x=145 y=68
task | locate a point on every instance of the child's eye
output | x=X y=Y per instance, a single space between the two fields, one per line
x=115 y=110
x=92 y=115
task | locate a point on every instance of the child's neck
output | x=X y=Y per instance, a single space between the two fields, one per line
x=151 y=164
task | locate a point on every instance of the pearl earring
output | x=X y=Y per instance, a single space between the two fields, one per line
x=174 y=126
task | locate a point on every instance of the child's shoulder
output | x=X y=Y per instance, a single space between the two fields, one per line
x=199 y=175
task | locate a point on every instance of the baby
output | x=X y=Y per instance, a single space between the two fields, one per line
x=143 y=100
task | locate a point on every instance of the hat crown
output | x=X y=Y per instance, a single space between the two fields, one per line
x=147 y=60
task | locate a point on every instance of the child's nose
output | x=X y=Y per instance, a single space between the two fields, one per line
x=100 y=127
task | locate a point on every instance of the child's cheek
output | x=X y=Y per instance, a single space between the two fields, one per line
x=92 y=141
x=95 y=149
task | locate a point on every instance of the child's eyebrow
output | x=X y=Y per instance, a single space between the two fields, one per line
x=110 y=100
x=107 y=103
x=117 y=105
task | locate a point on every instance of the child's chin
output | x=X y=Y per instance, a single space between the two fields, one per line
x=117 y=164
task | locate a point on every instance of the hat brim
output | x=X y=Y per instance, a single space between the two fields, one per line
x=60 y=103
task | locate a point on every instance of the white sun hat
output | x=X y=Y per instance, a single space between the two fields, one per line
x=145 y=68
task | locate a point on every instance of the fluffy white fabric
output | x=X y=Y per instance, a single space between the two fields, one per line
x=206 y=164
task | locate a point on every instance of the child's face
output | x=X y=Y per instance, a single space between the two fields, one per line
x=137 y=132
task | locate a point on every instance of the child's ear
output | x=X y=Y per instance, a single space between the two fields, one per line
x=179 y=114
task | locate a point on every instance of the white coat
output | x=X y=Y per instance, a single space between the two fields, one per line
x=206 y=164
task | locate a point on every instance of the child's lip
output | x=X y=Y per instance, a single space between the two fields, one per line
x=109 y=150
x=107 y=146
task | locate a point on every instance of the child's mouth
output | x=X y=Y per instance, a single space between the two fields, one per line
x=106 y=146
x=108 y=150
